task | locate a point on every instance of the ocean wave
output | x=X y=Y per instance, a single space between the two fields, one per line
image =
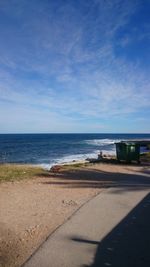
x=101 y=142
x=105 y=145
x=45 y=166
x=69 y=159
x=76 y=157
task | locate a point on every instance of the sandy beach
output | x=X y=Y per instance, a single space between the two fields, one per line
x=32 y=209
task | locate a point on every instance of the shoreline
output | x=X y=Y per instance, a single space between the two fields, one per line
x=61 y=162
x=48 y=167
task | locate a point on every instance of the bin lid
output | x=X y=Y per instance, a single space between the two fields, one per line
x=135 y=142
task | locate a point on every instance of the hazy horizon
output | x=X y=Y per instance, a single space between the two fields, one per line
x=96 y=133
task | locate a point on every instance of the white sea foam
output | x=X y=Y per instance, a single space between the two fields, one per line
x=45 y=166
x=69 y=159
x=101 y=142
x=79 y=157
x=76 y=157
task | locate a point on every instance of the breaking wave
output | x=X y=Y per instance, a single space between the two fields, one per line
x=101 y=142
x=76 y=158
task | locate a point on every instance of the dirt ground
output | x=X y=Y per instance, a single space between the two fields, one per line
x=30 y=210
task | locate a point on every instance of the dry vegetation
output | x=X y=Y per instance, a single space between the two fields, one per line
x=15 y=172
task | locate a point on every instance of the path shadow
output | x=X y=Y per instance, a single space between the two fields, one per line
x=128 y=244
x=93 y=178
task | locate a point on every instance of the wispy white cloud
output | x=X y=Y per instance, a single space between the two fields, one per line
x=62 y=61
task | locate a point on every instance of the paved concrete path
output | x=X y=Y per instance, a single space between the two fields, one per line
x=101 y=233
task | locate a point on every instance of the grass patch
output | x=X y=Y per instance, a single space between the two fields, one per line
x=15 y=172
x=74 y=166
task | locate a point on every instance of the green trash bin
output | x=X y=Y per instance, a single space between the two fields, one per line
x=127 y=151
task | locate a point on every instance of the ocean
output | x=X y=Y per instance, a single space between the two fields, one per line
x=49 y=149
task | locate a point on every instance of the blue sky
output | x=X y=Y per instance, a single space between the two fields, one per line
x=74 y=66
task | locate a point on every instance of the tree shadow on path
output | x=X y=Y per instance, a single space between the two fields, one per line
x=128 y=244
x=97 y=178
